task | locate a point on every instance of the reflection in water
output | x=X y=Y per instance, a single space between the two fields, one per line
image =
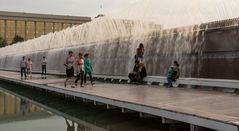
x=13 y=108
x=25 y=107
x=75 y=115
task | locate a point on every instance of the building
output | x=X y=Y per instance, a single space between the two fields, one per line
x=29 y=25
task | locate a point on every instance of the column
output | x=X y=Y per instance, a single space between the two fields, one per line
x=53 y=27
x=62 y=26
x=5 y=29
x=15 y=31
x=44 y=28
x=25 y=31
x=35 y=29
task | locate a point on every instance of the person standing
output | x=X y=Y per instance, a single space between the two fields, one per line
x=69 y=64
x=140 y=53
x=29 y=68
x=23 y=66
x=43 y=67
x=80 y=69
x=88 y=68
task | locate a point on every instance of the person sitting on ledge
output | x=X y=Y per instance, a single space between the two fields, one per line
x=172 y=74
x=139 y=72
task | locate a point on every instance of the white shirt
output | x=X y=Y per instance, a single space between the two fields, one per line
x=23 y=64
x=43 y=62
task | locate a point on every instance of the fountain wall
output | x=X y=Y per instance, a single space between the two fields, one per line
x=201 y=51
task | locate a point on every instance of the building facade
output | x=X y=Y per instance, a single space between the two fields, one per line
x=29 y=25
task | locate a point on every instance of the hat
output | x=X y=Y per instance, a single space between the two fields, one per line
x=86 y=55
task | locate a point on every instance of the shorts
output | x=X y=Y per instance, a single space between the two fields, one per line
x=139 y=58
x=70 y=72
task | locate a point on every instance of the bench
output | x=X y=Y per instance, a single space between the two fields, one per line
x=233 y=84
x=223 y=83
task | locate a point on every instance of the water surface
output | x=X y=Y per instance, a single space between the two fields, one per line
x=26 y=109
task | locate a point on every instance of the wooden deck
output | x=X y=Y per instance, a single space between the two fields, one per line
x=211 y=109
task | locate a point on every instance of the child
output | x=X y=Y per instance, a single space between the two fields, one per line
x=80 y=69
x=29 y=68
x=88 y=68
x=173 y=73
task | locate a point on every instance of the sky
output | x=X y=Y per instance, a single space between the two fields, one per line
x=64 y=7
x=165 y=12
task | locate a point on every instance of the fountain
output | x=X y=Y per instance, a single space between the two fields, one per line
x=112 y=42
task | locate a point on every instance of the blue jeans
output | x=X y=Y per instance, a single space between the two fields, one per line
x=43 y=72
x=170 y=80
x=23 y=72
x=80 y=76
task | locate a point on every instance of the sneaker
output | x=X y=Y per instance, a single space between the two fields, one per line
x=169 y=86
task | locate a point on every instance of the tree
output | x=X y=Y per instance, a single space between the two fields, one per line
x=3 y=42
x=17 y=38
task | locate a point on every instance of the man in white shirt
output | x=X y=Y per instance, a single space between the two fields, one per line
x=43 y=66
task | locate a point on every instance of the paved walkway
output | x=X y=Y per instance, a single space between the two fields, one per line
x=214 y=105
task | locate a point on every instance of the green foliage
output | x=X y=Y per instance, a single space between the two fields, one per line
x=3 y=42
x=17 y=38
